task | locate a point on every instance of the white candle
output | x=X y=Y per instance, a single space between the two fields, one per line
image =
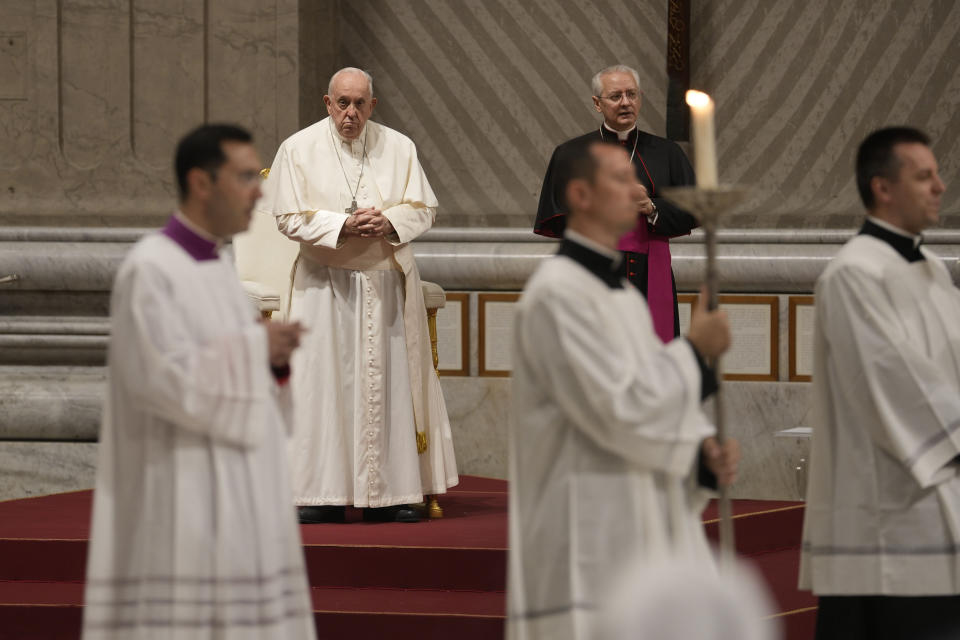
x=704 y=142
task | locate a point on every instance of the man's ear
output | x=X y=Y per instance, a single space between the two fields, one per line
x=881 y=189
x=200 y=183
x=578 y=194
x=596 y=104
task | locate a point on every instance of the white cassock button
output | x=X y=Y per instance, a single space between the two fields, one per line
x=370 y=398
x=369 y=350
x=369 y=325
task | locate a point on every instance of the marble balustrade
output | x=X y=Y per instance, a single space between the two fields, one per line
x=54 y=333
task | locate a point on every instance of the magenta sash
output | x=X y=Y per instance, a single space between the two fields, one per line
x=659 y=277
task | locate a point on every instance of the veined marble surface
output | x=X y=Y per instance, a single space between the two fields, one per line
x=40 y=468
x=755 y=413
x=479 y=417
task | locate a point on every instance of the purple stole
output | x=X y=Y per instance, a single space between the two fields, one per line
x=659 y=275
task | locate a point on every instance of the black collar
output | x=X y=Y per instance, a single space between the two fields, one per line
x=596 y=263
x=902 y=244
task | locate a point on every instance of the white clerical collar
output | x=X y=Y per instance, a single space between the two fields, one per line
x=621 y=135
x=579 y=238
x=883 y=224
x=192 y=226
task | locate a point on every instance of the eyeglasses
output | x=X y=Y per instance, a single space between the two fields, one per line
x=631 y=96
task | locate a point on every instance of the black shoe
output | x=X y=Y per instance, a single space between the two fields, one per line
x=321 y=515
x=396 y=513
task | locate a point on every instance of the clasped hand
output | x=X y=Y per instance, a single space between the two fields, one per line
x=368 y=222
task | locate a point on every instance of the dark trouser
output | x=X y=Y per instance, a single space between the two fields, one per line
x=634 y=269
x=888 y=618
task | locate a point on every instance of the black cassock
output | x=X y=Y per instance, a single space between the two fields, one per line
x=659 y=163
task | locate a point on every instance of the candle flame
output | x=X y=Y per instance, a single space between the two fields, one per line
x=697 y=98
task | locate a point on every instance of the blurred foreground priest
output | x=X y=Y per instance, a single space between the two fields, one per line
x=193 y=535
x=610 y=451
x=352 y=193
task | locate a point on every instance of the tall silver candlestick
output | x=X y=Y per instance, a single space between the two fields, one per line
x=708 y=204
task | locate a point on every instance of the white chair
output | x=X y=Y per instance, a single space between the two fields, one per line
x=264 y=258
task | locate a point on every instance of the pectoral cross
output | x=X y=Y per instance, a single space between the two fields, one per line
x=351 y=209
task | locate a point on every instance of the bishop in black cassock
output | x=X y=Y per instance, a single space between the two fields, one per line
x=659 y=163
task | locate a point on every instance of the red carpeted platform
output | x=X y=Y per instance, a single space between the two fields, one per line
x=436 y=579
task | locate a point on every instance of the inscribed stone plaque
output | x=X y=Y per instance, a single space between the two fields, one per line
x=753 y=325
x=802 y=318
x=452 y=336
x=496 y=332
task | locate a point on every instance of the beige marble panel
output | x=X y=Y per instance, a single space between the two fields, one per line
x=94 y=81
x=13 y=65
x=252 y=68
x=168 y=98
x=479 y=410
x=18 y=114
x=95 y=93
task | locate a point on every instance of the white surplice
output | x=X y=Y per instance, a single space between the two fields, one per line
x=605 y=431
x=193 y=535
x=883 y=503
x=363 y=377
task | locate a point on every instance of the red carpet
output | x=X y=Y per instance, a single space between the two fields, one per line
x=437 y=579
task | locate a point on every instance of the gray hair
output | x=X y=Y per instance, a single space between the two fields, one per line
x=350 y=70
x=597 y=85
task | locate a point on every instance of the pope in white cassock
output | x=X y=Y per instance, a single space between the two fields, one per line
x=193 y=535
x=881 y=540
x=353 y=194
x=609 y=447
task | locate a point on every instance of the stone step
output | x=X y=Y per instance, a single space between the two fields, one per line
x=53 y=340
x=44 y=403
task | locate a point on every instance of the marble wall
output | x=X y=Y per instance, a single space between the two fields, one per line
x=94 y=93
x=487 y=88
